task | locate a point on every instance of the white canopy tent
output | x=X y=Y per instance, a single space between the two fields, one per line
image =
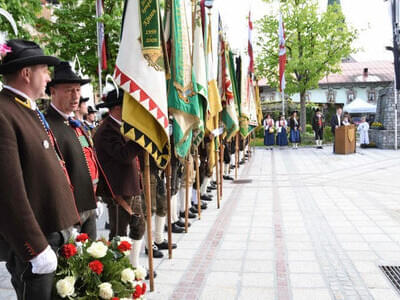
x=359 y=106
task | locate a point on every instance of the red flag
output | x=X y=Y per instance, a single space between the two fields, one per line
x=250 y=46
x=282 y=55
x=101 y=43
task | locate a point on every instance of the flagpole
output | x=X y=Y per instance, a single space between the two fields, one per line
x=197 y=158
x=221 y=162
x=236 y=155
x=168 y=184
x=187 y=194
x=217 y=172
x=148 y=217
x=283 y=102
x=99 y=67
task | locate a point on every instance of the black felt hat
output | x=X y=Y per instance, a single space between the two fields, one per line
x=63 y=74
x=112 y=99
x=82 y=99
x=24 y=54
x=91 y=110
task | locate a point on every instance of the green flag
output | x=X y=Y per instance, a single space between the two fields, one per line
x=183 y=102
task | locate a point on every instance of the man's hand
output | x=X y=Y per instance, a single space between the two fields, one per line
x=45 y=262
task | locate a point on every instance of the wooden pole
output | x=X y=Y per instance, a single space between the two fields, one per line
x=187 y=194
x=217 y=174
x=168 y=178
x=237 y=155
x=148 y=213
x=197 y=158
x=221 y=164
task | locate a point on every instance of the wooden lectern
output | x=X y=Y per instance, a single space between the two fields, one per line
x=345 y=139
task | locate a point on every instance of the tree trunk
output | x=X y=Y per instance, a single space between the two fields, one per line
x=303 y=117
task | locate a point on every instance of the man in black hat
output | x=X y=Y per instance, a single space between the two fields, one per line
x=82 y=109
x=37 y=203
x=318 y=127
x=90 y=119
x=119 y=158
x=75 y=144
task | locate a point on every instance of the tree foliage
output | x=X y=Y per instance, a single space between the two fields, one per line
x=72 y=31
x=316 y=43
x=25 y=14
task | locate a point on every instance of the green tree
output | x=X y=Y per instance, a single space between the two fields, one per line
x=72 y=31
x=316 y=43
x=25 y=14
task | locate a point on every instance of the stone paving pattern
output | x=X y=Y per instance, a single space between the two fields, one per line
x=311 y=225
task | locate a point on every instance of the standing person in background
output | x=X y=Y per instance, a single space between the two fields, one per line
x=346 y=119
x=363 y=131
x=336 y=122
x=294 y=125
x=119 y=158
x=82 y=110
x=281 y=127
x=318 y=127
x=269 y=131
x=37 y=205
x=90 y=119
x=76 y=146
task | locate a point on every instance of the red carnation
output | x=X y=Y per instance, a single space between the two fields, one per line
x=96 y=266
x=83 y=237
x=138 y=292
x=69 y=250
x=114 y=298
x=124 y=246
x=144 y=288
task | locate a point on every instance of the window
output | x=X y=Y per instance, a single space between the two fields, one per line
x=371 y=96
x=331 y=96
x=351 y=95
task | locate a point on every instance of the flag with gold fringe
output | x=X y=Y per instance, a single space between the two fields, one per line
x=214 y=98
x=183 y=102
x=140 y=72
x=200 y=71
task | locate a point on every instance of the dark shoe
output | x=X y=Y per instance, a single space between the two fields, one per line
x=164 y=245
x=181 y=223
x=205 y=197
x=213 y=182
x=227 y=177
x=156 y=253
x=241 y=162
x=203 y=205
x=177 y=229
x=212 y=187
x=232 y=167
x=193 y=210
x=190 y=216
x=148 y=276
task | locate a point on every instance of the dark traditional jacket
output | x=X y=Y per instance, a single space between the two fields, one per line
x=293 y=125
x=35 y=196
x=315 y=123
x=75 y=160
x=117 y=156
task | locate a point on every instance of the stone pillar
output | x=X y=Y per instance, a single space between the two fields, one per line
x=384 y=139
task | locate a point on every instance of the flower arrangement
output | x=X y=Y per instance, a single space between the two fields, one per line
x=92 y=270
x=377 y=125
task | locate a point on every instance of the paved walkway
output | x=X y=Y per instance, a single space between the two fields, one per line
x=310 y=225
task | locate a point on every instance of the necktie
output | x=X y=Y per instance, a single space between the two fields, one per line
x=74 y=123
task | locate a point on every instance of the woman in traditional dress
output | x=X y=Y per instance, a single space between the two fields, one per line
x=269 y=129
x=294 y=125
x=281 y=126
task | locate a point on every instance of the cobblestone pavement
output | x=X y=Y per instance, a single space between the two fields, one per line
x=310 y=225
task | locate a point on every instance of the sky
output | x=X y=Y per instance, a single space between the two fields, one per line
x=370 y=17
